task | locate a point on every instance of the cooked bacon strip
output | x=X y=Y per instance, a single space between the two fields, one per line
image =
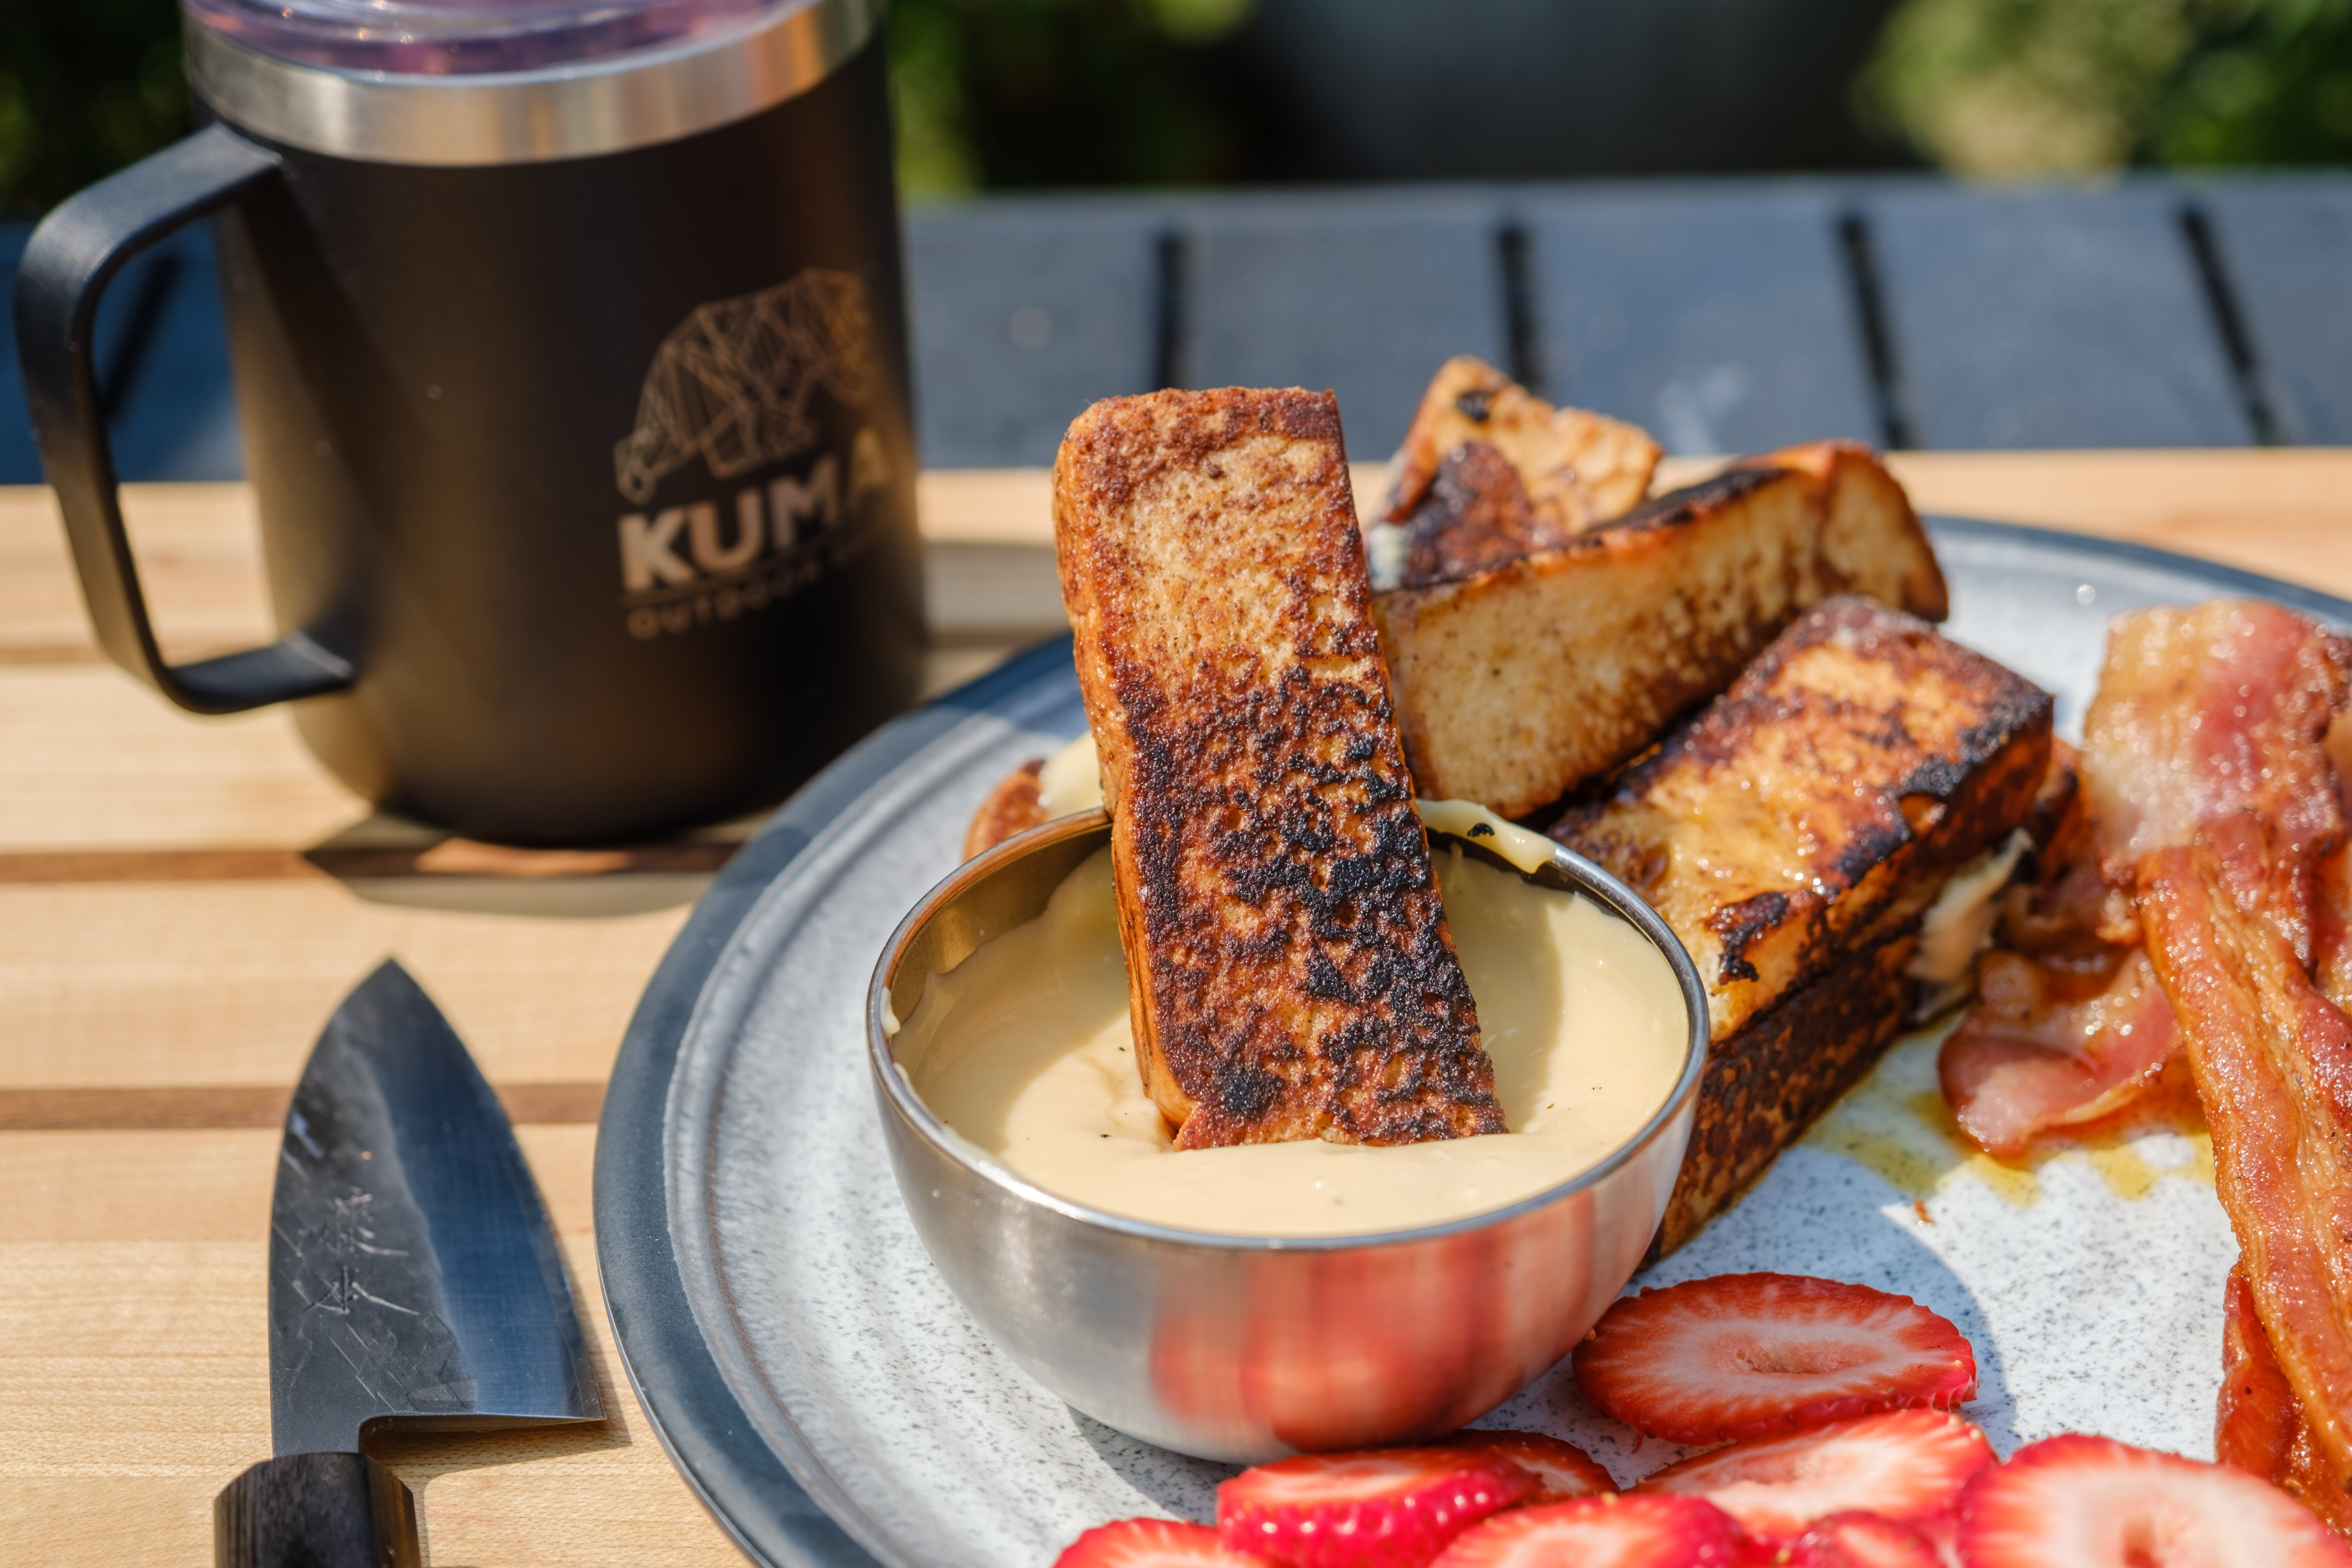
x=2059 y=911
x=2205 y=713
x=2200 y=714
x=2331 y=928
x=2067 y=1028
x=2258 y=1423
x=2331 y=914
x=2058 y=804
x=2273 y=1062
x=2205 y=772
x=2048 y=1047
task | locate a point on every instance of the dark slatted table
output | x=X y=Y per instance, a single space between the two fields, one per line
x=1724 y=315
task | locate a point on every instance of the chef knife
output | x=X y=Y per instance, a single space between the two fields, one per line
x=413 y=1285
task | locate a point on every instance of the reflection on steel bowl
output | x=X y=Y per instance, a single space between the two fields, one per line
x=1241 y=1347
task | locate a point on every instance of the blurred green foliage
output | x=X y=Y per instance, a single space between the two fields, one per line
x=996 y=93
x=2274 y=87
x=2042 y=86
x=86 y=87
x=993 y=94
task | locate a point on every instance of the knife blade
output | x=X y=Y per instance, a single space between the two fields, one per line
x=415 y=1285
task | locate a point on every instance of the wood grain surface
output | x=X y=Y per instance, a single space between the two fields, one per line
x=184 y=901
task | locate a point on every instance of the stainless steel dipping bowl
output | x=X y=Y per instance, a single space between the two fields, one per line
x=1245 y=1348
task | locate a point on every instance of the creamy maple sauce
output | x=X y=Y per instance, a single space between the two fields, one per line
x=1023 y=1051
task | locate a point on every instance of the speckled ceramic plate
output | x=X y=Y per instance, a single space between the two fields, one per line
x=819 y=1387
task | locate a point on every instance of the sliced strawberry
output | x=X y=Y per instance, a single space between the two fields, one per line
x=1862 y=1541
x=2078 y=1501
x=1906 y=1465
x=1152 y=1543
x=1943 y=1533
x=1741 y=1355
x=1383 y=1508
x=1605 y=1531
x=1562 y=1471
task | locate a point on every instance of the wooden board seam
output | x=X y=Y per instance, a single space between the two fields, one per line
x=247 y=1105
x=450 y=858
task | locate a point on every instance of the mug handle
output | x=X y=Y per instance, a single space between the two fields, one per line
x=67 y=263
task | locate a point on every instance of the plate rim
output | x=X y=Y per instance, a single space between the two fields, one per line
x=712 y=1444
x=741 y=1481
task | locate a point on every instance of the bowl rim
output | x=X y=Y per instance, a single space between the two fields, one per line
x=1585 y=877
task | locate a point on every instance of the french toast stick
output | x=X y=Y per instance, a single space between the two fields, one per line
x=1011 y=808
x=1291 y=973
x=1525 y=680
x=1769 y=1081
x=1792 y=835
x=1489 y=471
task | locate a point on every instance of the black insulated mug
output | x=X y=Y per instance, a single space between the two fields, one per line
x=570 y=351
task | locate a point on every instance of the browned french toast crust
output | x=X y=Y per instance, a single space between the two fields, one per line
x=1010 y=807
x=1291 y=971
x=1536 y=474
x=1528 y=680
x=1793 y=835
x=1488 y=471
x=1766 y=1084
x=1818 y=804
x=1682 y=508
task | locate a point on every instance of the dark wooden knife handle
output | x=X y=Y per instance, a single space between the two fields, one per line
x=316 y=1510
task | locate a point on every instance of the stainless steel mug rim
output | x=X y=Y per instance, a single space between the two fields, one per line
x=636 y=99
x=1587 y=877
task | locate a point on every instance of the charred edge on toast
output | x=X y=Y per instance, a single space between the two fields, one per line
x=1691 y=504
x=1932 y=789
x=1736 y=925
x=1476 y=514
x=1011 y=808
x=1895 y=757
x=1292 y=973
x=1766 y=1084
x=1858 y=762
x=1526 y=682
x=1678 y=509
x=1488 y=471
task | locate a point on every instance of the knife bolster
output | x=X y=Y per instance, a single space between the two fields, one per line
x=316 y=1510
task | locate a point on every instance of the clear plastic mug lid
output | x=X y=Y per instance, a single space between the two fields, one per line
x=473 y=38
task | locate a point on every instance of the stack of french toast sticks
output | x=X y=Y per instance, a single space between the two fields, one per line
x=1731 y=696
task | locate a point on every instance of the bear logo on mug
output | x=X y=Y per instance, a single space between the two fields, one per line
x=733 y=384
